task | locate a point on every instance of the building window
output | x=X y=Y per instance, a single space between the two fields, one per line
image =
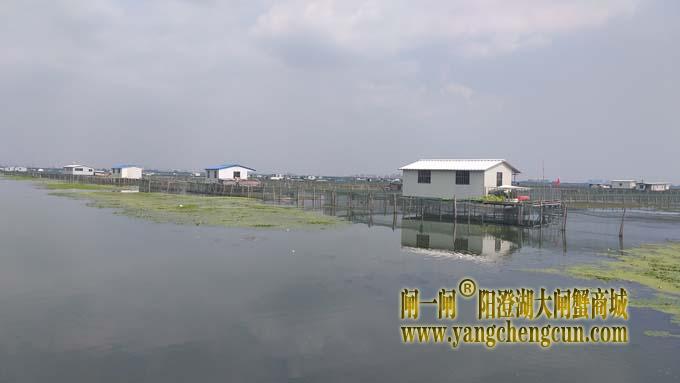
x=499 y=179
x=462 y=177
x=78 y=169
x=237 y=174
x=424 y=176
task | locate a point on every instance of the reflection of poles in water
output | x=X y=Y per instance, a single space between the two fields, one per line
x=467 y=207
x=623 y=216
x=564 y=242
x=385 y=203
x=369 y=207
x=564 y=218
x=394 y=220
x=621 y=245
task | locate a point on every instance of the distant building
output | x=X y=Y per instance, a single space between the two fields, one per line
x=654 y=186
x=126 y=171
x=78 y=170
x=20 y=169
x=228 y=172
x=446 y=178
x=599 y=186
x=623 y=184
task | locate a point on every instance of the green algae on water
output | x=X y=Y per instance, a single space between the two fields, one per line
x=203 y=210
x=51 y=184
x=15 y=177
x=77 y=186
x=661 y=334
x=187 y=209
x=654 y=266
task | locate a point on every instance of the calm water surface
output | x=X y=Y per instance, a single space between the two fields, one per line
x=89 y=296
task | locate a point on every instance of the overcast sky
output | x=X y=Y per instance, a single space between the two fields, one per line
x=343 y=87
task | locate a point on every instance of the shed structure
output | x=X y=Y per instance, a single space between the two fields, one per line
x=462 y=178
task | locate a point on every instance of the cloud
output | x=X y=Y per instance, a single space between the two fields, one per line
x=459 y=90
x=177 y=83
x=467 y=28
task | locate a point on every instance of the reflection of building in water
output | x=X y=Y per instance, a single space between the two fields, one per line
x=471 y=239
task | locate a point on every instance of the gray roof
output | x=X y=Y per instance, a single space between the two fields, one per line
x=225 y=166
x=456 y=164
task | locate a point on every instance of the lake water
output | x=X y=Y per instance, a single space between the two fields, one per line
x=90 y=296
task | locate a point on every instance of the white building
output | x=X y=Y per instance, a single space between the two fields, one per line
x=654 y=186
x=446 y=178
x=126 y=171
x=228 y=172
x=78 y=170
x=20 y=169
x=624 y=184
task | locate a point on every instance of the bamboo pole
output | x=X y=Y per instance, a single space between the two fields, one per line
x=623 y=217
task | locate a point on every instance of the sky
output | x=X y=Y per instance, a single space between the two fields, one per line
x=584 y=89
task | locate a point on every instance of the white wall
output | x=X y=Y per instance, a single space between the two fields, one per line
x=443 y=185
x=490 y=176
x=132 y=172
x=79 y=171
x=658 y=187
x=624 y=184
x=227 y=173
